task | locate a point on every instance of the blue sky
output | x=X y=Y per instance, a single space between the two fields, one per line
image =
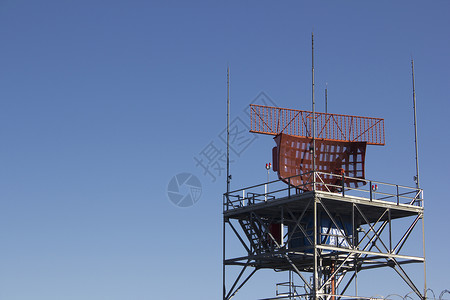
x=103 y=102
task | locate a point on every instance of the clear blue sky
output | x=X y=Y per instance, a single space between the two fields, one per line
x=102 y=102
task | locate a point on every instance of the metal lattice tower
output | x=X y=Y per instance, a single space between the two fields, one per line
x=320 y=225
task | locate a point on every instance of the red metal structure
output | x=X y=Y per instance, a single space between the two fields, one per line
x=332 y=127
x=340 y=144
x=292 y=159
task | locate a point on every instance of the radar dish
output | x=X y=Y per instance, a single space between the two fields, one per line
x=293 y=156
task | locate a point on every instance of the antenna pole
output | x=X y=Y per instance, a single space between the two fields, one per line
x=228 y=131
x=417 y=179
x=326 y=98
x=313 y=110
x=228 y=180
x=415 y=126
x=313 y=152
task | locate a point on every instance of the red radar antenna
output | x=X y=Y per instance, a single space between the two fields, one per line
x=340 y=144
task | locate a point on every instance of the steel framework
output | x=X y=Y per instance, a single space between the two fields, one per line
x=324 y=234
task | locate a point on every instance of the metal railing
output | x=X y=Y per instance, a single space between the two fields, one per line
x=289 y=290
x=369 y=189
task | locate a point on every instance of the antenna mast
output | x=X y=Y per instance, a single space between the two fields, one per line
x=416 y=178
x=313 y=109
x=228 y=130
x=326 y=98
x=228 y=179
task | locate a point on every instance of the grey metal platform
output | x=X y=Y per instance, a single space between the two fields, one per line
x=323 y=235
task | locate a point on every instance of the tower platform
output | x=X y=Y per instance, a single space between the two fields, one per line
x=324 y=237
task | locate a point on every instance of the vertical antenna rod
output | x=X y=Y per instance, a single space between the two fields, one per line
x=416 y=178
x=228 y=180
x=326 y=97
x=316 y=279
x=228 y=130
x=313 y=109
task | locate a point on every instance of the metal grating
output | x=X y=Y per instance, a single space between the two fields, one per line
x=332 y=127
